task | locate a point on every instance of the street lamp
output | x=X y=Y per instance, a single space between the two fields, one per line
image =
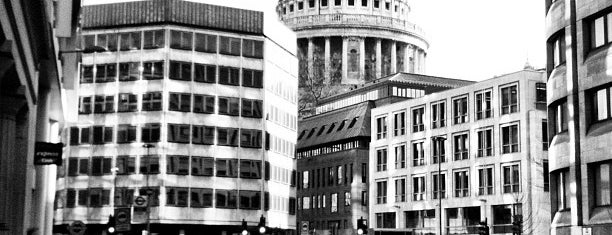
x=440 y=140
x=148 y=147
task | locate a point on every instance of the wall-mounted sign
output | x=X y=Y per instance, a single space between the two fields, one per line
x=48 y=153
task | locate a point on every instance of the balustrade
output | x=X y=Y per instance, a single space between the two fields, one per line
x=356 y=19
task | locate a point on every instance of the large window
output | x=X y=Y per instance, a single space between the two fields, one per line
x=180 y=102
x=509 y=99
x=205 y=73
x=87 y=74
x=438 y=150
x=381 y=192
x=385 y=220
x=178 y=165
x=229 y=106
x=418 y=123
x=438 y=114
x=152 y=101
x=600 y=30
x=601 y=175
x=203 y=104
x=130 y=41
x=104 y=104
x=418 y=188
x=334 y=201
x=418 y=154
x=229 y=45
x=252 y=48
x=126 y=133
x=250 y=200
x=226 y=167
x=202 y=166
x=181 y=40
x=546 y=175
x=250 y=138
x=252 y=78
x=557 y=49
x=559 y=116
x=108 y=41
x=250 y=169
x=227 y=136
x=562 y=186
x=201 y=197
x=381 y=159
x=381 y=127
x=102 y=134
x=152 y=70
x=229 y=75
x=510 y=138
x=399 y=123
x=226 y=198
x=154 y=39
x=129 y=71
x=400 y=156
x=98 y=197
x=180 y=71
x=85 y=105
x=400 y=190
x=125 y=165
x=127 y=103
x=462 y=183
x=150 y=132
x=179 y=133
x=206 y=43
x=485 y=181
x=601 y=104
x=439 y=185
x=512 y=178
x=202 y=134
x=485 y=142
x=460 y=110
x=106 y=73
x=149 y=164
x=461 y=146
x=483 y=105
x=101 y=166
x=251 y=108
x=124 y=196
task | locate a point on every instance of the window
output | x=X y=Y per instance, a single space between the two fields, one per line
x=130 y=41
x=104 y=104
x=418 y=188
x=88 y=41
x=600 y=174
x=438 y=184
x=461 y=144
x=334 y=202
x=100 y=166
x=250 y=200
x=385 y=219
x=485 y=181
x=127 y=103
x=124 y=196
x=206 y=43
x=323 y=3
x=125 y=165
x=149 y=164
x=102 y=134
x=250 y=169
x=417 y=119
x=180 y=71
x=205 y=73
x=305 y=179
x=601 y=103
x=600 y=30
x=438 y=115
x=202 y=134
x=106 y=73
x=364 y=172
x=337 y=2
x=340 y=174
x=399 y=123
x=400 y=190
x=503 y=217
x=85 y=105
x=381 y=127
x=152 y=101
x=99 y=197
x=351 y=2
x=512 y=178
x=229 y=46
x=177 y=196
x=462 y=183
x=460 y=110
x=83 y=197
x=177 y=165
x=562 y=185
x=226 y=198
x=152 y=70
x=152 y=193
x=108 y=41
x=311 y=3
x=229 y=106
x=254 y=48
x=181 y=40
x=252 y=78
x=376 y=3
x=509 y=99
x=79 y=135
x=418 y=154
x=150 y=132
x=201 y=197
x=400 y=156
x=154 y=39
x=559 y=115
x=381 y=192
x=180 y=102
x=126 y=133
x=483 y=105
x=364 y=3
x=250 y=138
x=347 y=199
x=557 y=49
x=546 y=175
x=251 y=108
x=438 y=149
x=226 y=167
x=544 y=134
x=485 y=142
x=381 y=159
x=203 y=104
x=541 y=92
x=510 y=138
x=227 y=136
x=229 y=76
x=179 y=133
x=129 y=71
x=202 y=166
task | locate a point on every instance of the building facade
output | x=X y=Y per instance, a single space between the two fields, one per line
x=188 y=104
x=33 y=67
x=446 y=161
x=579 y=35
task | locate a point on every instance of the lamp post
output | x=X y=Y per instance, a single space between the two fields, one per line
x=148 y=147
x=440 y=141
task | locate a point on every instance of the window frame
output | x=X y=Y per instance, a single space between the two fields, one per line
x=480 y=100
x=418 y=120
x=461 y=116
x=507 y=109
x=509 y=147
x=438 y=114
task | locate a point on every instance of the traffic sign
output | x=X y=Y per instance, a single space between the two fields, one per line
x=122 y=219
x=77 y=228
x=141 y=201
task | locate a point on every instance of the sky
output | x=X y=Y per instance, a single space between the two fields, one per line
x=469 y=39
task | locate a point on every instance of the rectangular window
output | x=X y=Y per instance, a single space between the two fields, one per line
x=150 y=132
x=485 y=142
x=600 y=30
x=386 y=219
x=351 y=2
x=461 y=146
x=460 y=110
x=124 y=197
x=305 y=179
x=88 y=41
x=205 y=43
x=438 y=184
x=418 y=188
x=229 y=76
x=544 y=135
x=364 y=173
x=129 y=71
x=509 y=99
x=70 y=198
x=337 y=2
x=601 y=176
x=203 y=104
x=201 y=197
x=100 y=166
x=106 y=73
x=179 y=133
x=127 y=103
x=483 y=105
x=250 y=138
x=226 y=167
x=485 y=181
x=227 y=136
x=152 y=70
x=202 y=134
x=179 y=102
x=108 y=41
x=601 y=104
x=340 y=174
x=558 y=49
x=130 y=41
x=562 y=185
x=417 y=119
x=399 y=123
x=229 y=106
x=229 y=46
x=323 y=3
x=418 y=154
x=177 y=196
x=438 y=115
x=381 y=127
x=438 y=149
x=104 y=104
x=251 y=108
x=381 y=159
x=462 y=183
x=202 y=166
x=510 y=138
x=381 y=192
x=180 y=71
x=559 y=113
x=83 y=197
x=334 y=202
x=181 y=40
x=85 y=105
x=126 y=133
x=125 y=165
x=154 y=39
x=149 y=164
x=177 y=165
x=400 y=156
x=85 y=135
x=250 y=200
x=400 y=190
x=546 y=175
x=226 y=198
x=99 y=197
x=102 y=134
x=205 y=73
x=252 y=78
x=254 y=48
x=250 y=169
x=512 y=178
x=152 y=101
x=541 y=92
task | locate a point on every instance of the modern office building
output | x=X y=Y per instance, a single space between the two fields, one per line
x=190 y=104
x=579 y=35
x=446 y=161
x=33 y=67
x=333 y=149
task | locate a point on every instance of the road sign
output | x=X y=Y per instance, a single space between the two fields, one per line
x=122 y=219
x=77 y=228
x=48 y=153
x=141 y=201
x=305 y=228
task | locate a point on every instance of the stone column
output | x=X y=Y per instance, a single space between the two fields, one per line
x=415 y=59
x=393 y=57
x=327 y=60
x=378 y=58
x=41 y=190
x=362 y=61
x=406 y=68
x=424 y=62
x=421 y=61
x=344 y=59
x=310 y=56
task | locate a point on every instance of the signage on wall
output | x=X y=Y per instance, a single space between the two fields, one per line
x=48 y=153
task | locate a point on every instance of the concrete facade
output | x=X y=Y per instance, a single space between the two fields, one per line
x=579 y=78
x=493 y=165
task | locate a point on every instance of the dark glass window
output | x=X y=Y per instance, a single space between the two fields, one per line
x=149 y=164
x=483 y=105
x=251 y=108
x=229 y=76
x=178 y=165
x=509 y=99
x=510 y=139
x=88 y=42
x=226 y=167
x=152 y=101
x=125 y=165
x=250 y=200
x=229 y=106
x=85 y=105
x=202 y=166
x=124 y=197
x=180 y=102
x=100 y=166
x=206 y=43
x=126 y=133
x=102 y=134
x=227 y=136
x=179 y=133
x=154 y=39
x=250 y=169
x=600 y=29
x=201 y=197
x=129 y=71
x=460 y=110
x=252 y=78
x=130 y=41
x=418 y=123
x=181 y=40
x=106 y=73
x=127 y=103
x=180 y=71
x=205 y=73
x=203 y=134
x=153 y=194
x=252 y=48
x=153 y=70
x=107 y=41
x=229 y=45
x=226 y=198
x=87 y=74
x=203 y=104
x=150 y=132
x=250 y=138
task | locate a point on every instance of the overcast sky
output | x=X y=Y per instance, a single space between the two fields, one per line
x=469 y=39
